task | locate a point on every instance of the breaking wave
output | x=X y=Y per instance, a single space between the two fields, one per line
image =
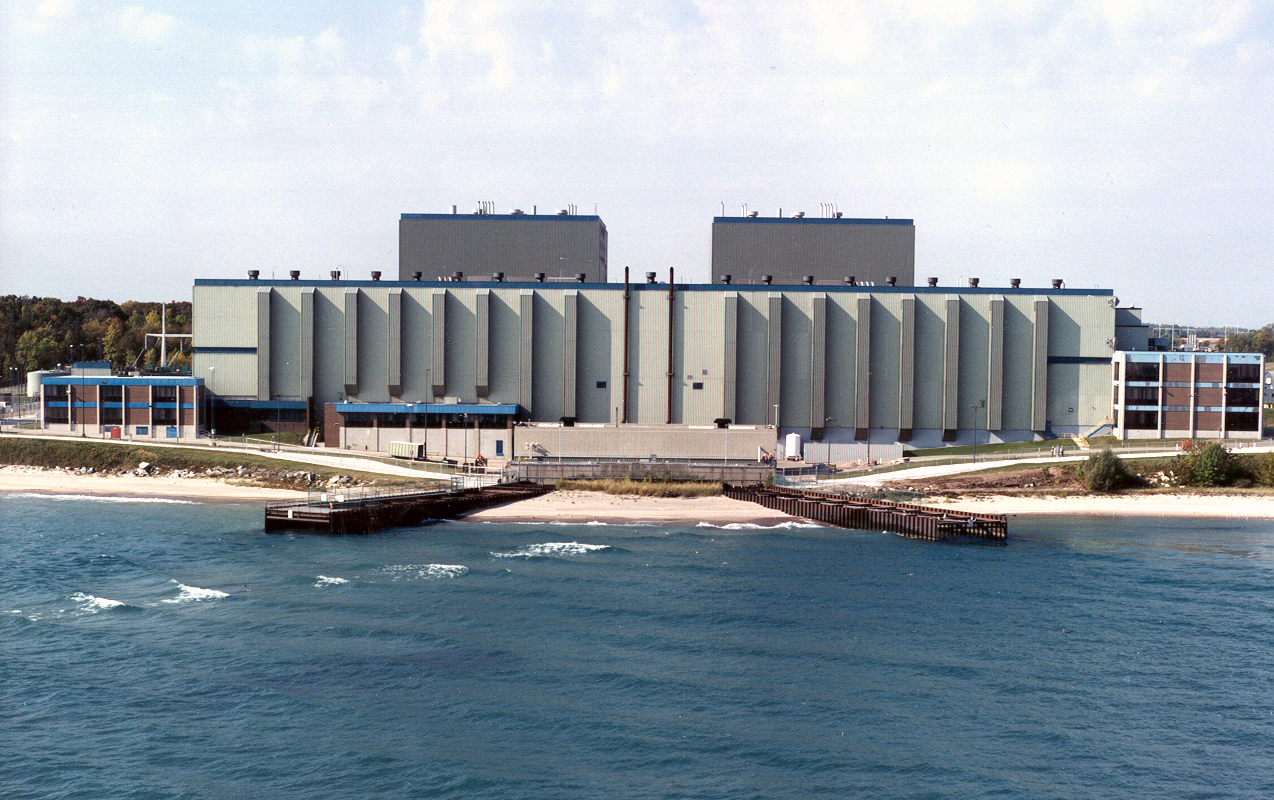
x=414 y=571
x=553 y=550
x=190 y=594
x=323 y=580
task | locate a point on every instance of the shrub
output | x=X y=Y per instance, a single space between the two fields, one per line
x=1211 y=466
x=1105 y=472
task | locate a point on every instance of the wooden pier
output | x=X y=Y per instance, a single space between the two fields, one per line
x=848 y=511
x=376 y=508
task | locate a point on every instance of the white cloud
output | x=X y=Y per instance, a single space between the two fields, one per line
x=138 y=23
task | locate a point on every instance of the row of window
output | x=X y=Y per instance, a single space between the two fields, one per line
x=1149 y=420
x=1149 y=371
x=1141 y=395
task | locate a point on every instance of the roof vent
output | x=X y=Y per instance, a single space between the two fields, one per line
x=850 y=280
x=415 y=276
x=837 y=215
x=336 y=274
x=650 y=277
x=517 y=212
x=580 y=276
x=809 y=280
x=457 y=275
x=561 y=212
x=891 y=281
x=973 y=282
x=799 y=215
x=539 y=277
x=375 y=274
x=295 y=274
x=933 y=281
x=727 y=278
x=253 y=274
x=1057 y=283
x=1015 y=282
x=767 y=279
x=752 y=215
x=498 y=277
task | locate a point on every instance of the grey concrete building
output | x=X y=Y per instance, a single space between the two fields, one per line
x=560 y=246
x=642 y=368
x=826 y=249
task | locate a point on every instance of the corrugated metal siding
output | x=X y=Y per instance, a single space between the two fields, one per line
x=752 y=395
x=951 y=371
x=547 y=401
x=263 y=344
x=526 y=350
x=1039 y=382
x=863 y=348
x=393 y=343
x=730 y=355
x=841 y=364
x=351 y=342
x=700 y=346
x=974 y=341
x=774 y=355
x=570 y=317
x=906 y=362
x=373 y=333
x=995 y=365
x=522 y=246
x=930 y=354
x=818 y=362
x=791 y=250
x=482 y=343
x=438 y=343
x=285 y=344
x=305 y=334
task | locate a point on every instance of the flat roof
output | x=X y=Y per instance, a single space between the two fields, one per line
x=813 y=221
x=479 y=217
x=657 y=286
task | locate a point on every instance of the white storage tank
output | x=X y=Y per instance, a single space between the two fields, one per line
x=35 y=379
x=792 y=446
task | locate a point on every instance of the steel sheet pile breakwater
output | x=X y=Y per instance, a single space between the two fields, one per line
x=334 y=512
x=924 y=522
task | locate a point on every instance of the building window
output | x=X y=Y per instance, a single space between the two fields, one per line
x=1141 y=420
x=601 y=384
x=1243 y=373
x=1243 y=421
x=1143 y=370
x=696 y=385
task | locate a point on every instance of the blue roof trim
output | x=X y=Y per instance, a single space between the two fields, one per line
x=811 y=221
x=115 y=380
x=1078 y=360
x=207 y=350
x=836 y=288
x=503 y=409
x=480 y=217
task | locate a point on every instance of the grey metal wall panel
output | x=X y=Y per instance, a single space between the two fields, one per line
x=263 y=344
x=730 y=355
x=570 y=343
x=599 y=342
x=841 y=363
x=752 y=395
x=305 y=344
x=797 y=381
x=285 y=336
x=974 y=341
x=789 y=249
x=548 y=403
x=951 y=371
x=775 y=355
x=393 y=343
x=818 y=362
x=930 y=359
x=438 y=343
x=482 y=344
x=520 y=246
x=1039 y=382
x=351 y=342
x=526 y=350
x=995 y=365
x=906 y=364
x=862 y=380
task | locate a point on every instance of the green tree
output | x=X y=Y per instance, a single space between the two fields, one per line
x=1105 y=472
x=1212 y=466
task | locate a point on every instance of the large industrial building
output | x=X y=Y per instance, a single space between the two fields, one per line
x=812 y=341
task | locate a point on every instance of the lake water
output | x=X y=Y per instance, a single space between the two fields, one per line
x=176 y=650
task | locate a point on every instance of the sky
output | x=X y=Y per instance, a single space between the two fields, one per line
x=1114 y=144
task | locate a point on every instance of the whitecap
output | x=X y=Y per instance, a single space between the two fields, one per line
x=413 y=571
x=93 y=604
x=553 y=549
x=323 y=580
x=752 y=526
x=187 y=594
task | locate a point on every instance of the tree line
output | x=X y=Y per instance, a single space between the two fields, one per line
x=45 y=332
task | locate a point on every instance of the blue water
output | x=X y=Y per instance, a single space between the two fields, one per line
x=167 y=650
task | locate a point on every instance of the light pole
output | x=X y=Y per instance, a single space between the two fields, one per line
x=827 y=438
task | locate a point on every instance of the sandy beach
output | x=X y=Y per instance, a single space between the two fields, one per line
x=205 y=490
x=582 y=507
